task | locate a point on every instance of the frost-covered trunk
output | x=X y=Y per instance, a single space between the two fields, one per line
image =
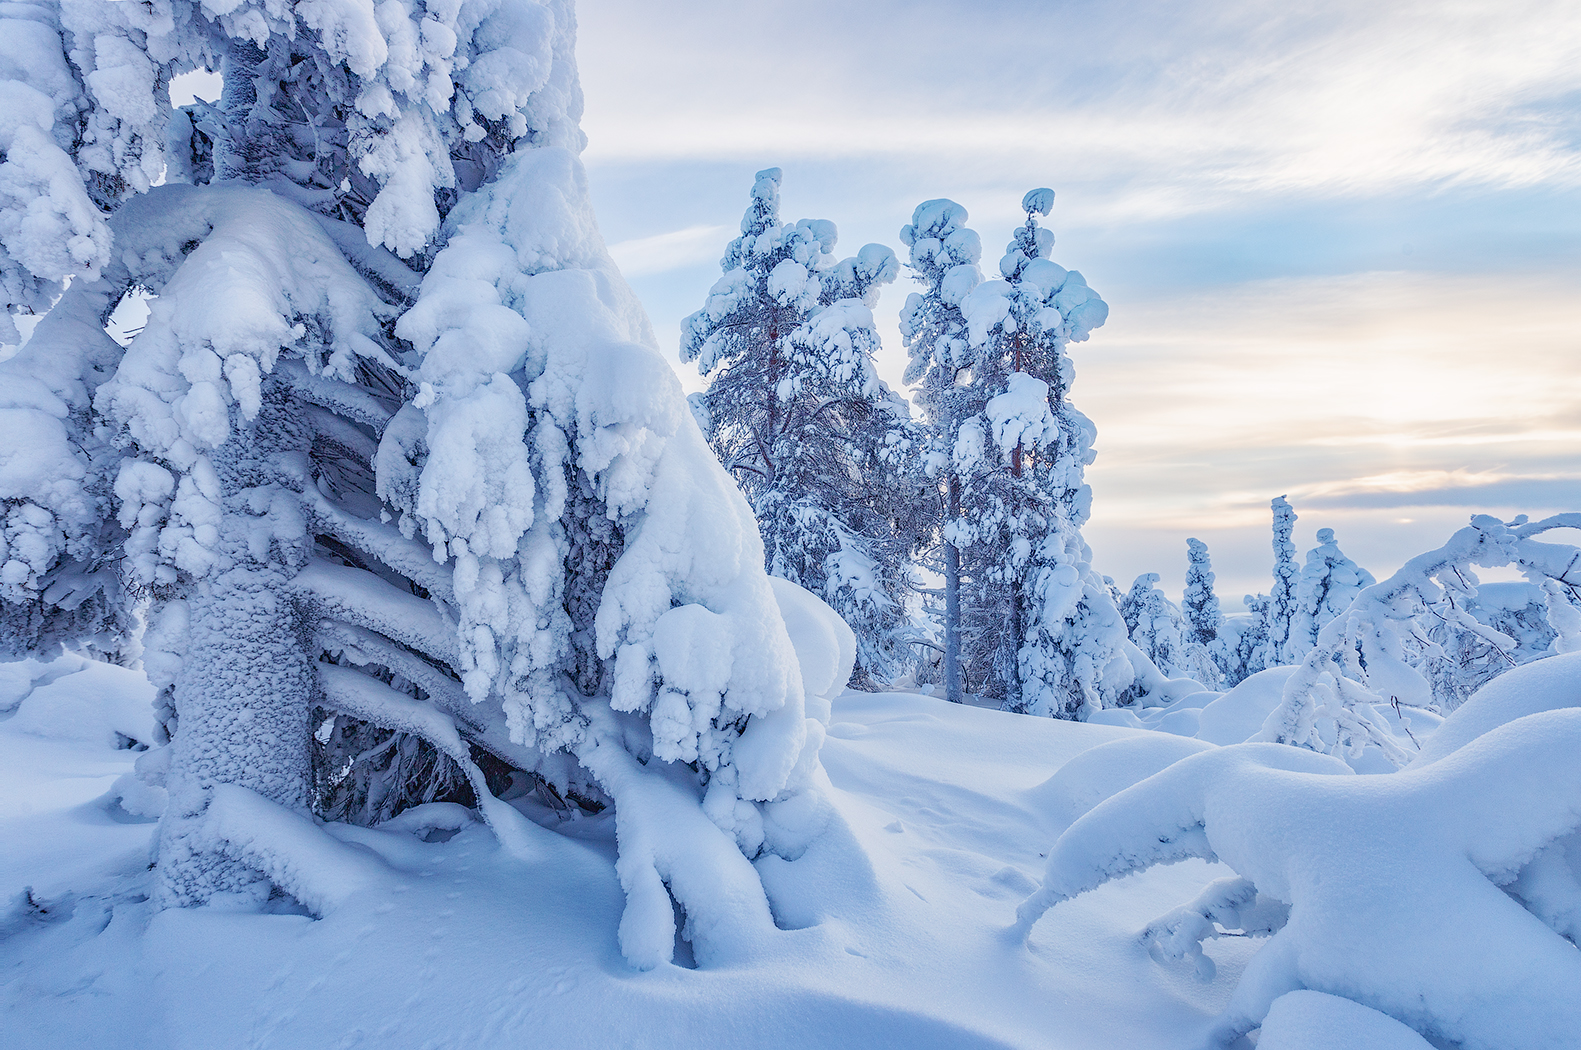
x=242 y=704
x=245 y=684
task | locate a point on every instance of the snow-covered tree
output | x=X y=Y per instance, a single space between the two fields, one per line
x=1156 y=627
x=1378 y=653
x=796 y=412
x=394 y=461
x=1199 y=604
x=1281 y=612
x=1038 y=619
x=943 y=258
x=1329 y=582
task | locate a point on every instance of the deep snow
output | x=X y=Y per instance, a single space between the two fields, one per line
x=891 y=924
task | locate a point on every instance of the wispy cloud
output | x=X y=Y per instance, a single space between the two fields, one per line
x=664 y=252
x=1169 y=108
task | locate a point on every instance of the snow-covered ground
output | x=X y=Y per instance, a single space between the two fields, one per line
x=893 y=922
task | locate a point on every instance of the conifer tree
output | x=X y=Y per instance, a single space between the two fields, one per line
x=1282 y=598
x=943 y=256
x=394 y=469
x=796 y=412
x=1200 y=604
x=1039 y=628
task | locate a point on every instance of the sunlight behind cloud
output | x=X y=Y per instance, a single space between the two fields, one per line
x=1404 y=391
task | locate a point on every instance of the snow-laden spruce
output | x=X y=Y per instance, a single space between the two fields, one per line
x=1041 y=631
x=795 y=411
x=1401 y=892
x=1156 y=626
x=394 y=460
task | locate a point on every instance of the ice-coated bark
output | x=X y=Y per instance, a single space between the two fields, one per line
x=242 y=699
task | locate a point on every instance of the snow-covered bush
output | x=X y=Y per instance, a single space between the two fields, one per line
x=1392 y=891
x=395 y=449
x=1041 y=630
x=795 y=411
x=1373 y=656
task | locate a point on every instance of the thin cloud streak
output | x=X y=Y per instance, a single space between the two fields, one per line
x=664 y=252
x=1183 y=114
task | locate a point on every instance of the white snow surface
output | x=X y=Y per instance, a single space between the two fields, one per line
x=1305 y=1020
x=885 y=931
x=1381 y=893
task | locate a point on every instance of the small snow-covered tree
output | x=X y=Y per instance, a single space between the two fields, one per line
x=1199 y=604
x=1374 y=655
x=796 y=412
x=395 y=463
x=1328 y=584
x=1281 y=612
x=1156 y=627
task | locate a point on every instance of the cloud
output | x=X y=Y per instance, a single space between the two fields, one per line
x=1158 y=109
x=663 y=252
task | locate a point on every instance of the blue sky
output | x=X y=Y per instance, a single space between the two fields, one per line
x=1342 y=243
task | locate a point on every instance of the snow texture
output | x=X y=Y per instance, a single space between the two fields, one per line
x=1403 y=912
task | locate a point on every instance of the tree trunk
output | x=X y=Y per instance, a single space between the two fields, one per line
x=247 y=680
x=242 y=710
x=952 y=603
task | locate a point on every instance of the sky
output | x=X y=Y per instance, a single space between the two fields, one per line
x=1341 y=241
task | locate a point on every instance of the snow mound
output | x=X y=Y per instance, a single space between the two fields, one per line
x=1239 y=714
x=1305 y=1020
x=1106 y=770
x=101 y=703
x=824 y=643
x=1540 y=686
x=1393 y=882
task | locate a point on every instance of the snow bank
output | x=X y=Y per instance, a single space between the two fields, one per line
x=1544 y=685
x=1306 y=1020
x=1239 y=714
x=1393 y=882
x=1106 y=770
x=101 y=703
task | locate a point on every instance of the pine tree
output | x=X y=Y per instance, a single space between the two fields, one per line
x=797 y=413
x=394 y=468
x=1040 y=630
x=943 y=257
x=1282 y=598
